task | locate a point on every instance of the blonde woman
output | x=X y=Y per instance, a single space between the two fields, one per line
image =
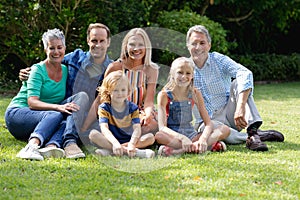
x=135 y=62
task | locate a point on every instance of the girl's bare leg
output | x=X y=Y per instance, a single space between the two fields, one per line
x=150 y=128
x=170 y=142
x=220 y=133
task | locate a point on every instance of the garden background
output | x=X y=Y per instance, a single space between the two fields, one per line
x=262 y=35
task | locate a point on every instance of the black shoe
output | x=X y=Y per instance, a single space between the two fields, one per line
x=254 y=143
x=270 y=135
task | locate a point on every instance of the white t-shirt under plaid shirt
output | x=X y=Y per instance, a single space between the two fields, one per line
x=214 y=80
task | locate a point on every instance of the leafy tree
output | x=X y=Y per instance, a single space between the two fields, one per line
x=181 y=21
x=258 y=26
x=23 y=22
x=255 y=25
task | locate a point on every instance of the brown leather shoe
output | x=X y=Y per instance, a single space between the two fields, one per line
x=255 y=144
x=73 y=151
x=270 y=135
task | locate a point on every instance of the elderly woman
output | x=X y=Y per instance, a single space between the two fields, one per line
x=36 y=112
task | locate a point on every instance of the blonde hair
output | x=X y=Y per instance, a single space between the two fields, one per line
x=133 y=32
x=109 y=83
x=175 y=64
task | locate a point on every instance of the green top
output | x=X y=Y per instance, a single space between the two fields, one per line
x=40 y=85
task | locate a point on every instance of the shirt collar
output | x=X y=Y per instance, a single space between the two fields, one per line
x=206 y=64
x=89 y=61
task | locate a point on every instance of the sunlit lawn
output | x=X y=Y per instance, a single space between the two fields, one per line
x=235 y=174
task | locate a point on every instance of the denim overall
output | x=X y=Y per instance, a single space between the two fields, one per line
x=180 y=116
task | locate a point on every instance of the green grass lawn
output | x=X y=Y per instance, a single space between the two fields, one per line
x=235 y=174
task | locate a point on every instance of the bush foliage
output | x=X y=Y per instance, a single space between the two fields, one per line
x=181 y=21
x=271 y=67
x=23 y=22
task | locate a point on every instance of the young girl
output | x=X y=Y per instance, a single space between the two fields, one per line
x=119 y=121
x=175 y=102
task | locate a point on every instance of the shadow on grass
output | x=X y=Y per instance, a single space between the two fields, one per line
x=273 y=147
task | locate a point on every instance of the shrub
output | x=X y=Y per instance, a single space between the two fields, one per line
x=181 y=21
x=272 y=67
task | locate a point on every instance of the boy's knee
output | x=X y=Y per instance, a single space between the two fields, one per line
x=148 y=137
x=93 y=134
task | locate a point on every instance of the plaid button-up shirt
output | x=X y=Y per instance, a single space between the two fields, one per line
x=214 y=80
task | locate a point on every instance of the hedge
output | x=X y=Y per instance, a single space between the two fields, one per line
x=272 y=67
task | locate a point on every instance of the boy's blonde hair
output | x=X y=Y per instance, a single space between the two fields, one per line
x=109 y=83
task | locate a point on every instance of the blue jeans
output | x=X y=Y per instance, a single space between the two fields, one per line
x=24 y=124
x=71 y=126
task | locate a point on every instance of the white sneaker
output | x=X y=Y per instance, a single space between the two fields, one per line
x=30 y=151
x=52 y=151
x=144 y=153
x=103 y=152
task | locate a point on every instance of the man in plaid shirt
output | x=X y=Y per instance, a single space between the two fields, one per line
x=228 y=102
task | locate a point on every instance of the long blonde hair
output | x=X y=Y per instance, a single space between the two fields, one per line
x=109 y=83
x=133 y=32
x=171 y=81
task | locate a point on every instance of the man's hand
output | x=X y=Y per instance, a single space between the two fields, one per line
x=239 y=117
x=240 y=112
x=24 y=73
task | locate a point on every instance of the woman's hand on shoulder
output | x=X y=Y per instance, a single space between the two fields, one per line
x=162 y=98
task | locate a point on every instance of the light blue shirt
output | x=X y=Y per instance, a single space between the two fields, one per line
x=78 y=61
x=214 y=80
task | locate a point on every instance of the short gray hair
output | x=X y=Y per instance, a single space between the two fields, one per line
x=198 y=29
x=53 y=34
